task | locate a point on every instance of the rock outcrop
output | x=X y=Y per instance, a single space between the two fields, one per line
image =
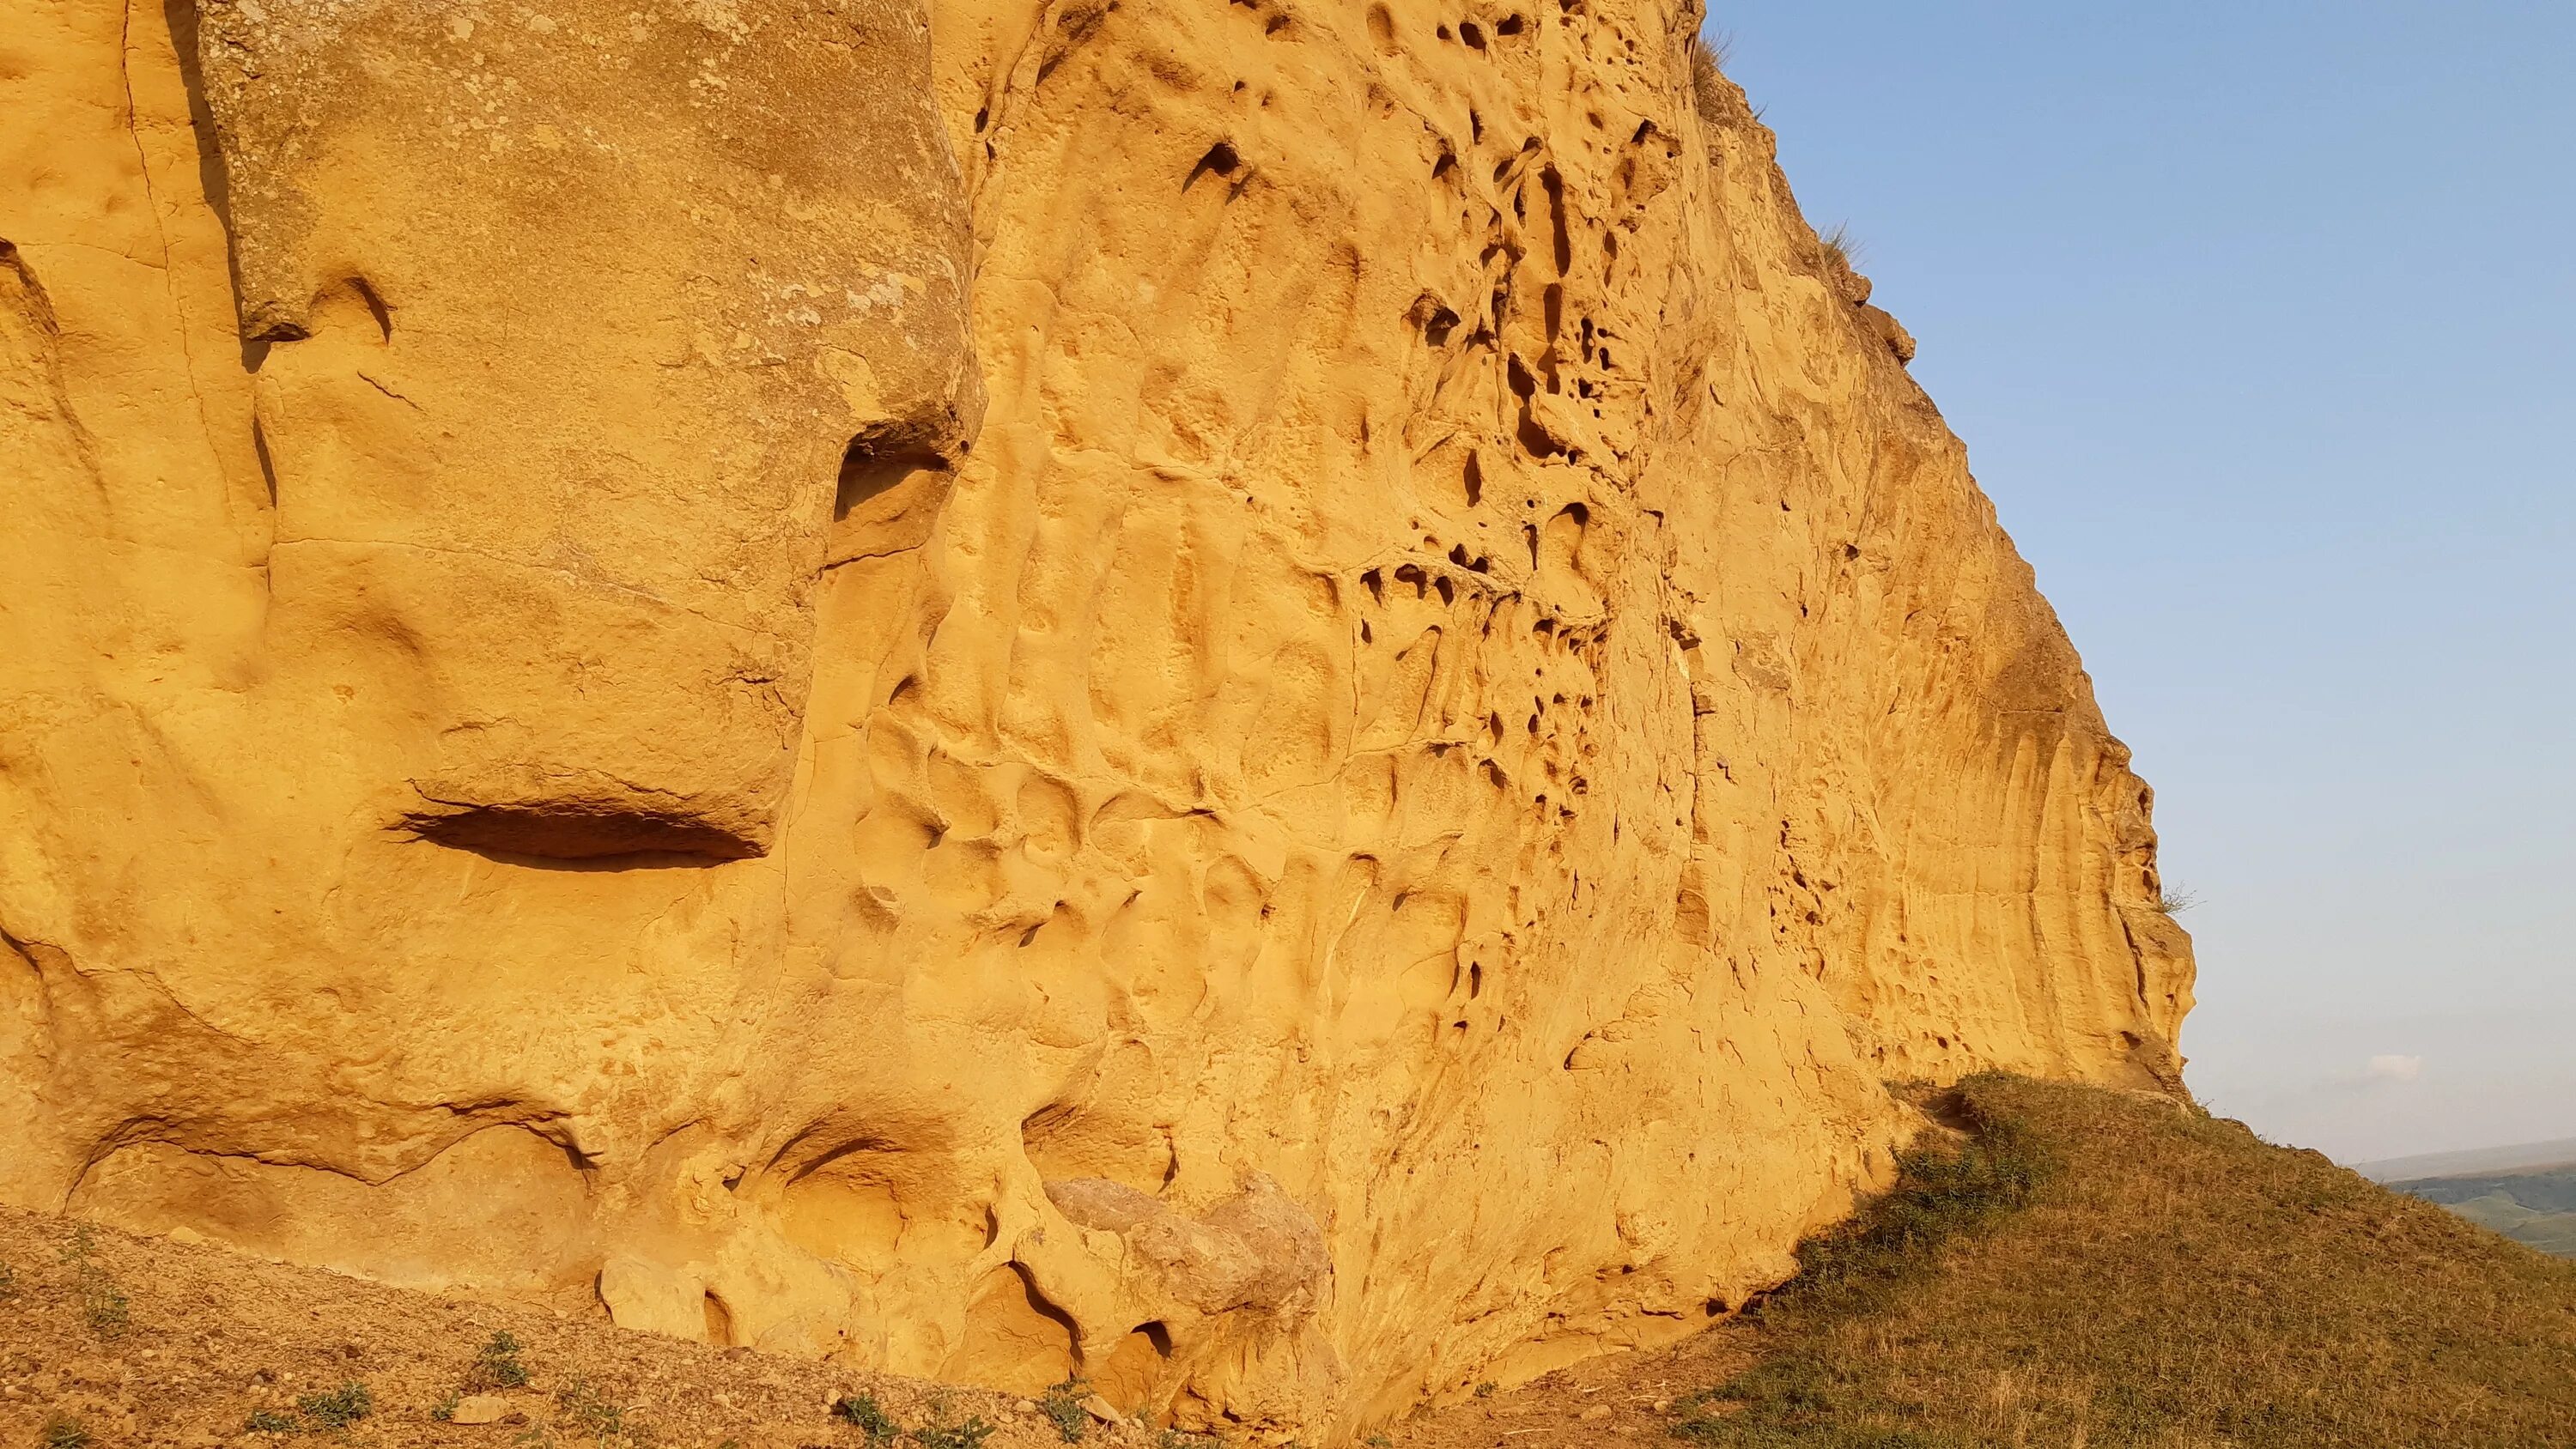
x=1286 y=704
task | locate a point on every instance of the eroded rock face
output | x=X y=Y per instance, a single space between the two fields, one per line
x=1373 y=821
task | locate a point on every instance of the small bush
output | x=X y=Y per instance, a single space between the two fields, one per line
x=1062 y=1406
x=2173 y=902
x=445 y=1410
x=862 y=1410
x=338 y=1408
x=497 y=1366
x=269 y=1421
x=103 y=1303
x=62 y=1431
x=940 y=1434
x=590 y=1412
x=1485 y=1390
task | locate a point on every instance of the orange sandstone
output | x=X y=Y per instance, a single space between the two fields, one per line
x=1284 y=703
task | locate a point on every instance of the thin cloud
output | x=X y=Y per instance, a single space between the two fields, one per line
x=2393 y=1068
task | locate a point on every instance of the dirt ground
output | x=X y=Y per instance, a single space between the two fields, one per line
x=108 y=1339
x=1618 y=1399
x=210 y=1337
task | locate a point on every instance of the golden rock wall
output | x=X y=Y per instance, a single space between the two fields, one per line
x=1284 y=703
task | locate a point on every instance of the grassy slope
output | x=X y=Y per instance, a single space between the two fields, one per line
x=2123 y=1271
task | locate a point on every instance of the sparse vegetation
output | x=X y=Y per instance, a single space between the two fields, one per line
x=940 y=1434
x=444 y=1411
x=269 y=1421
x=497 y=1366
x=62 y=1431
x=594 y=1415
x=1062 y=1406
x=1708 y=76
x=337 y=1408
x=8 y=1281
x=103 y=1304
x=2172 y=902
x=1485 y=1390
x=863 y=1411
x=1841 y=249
x=2089 y=1266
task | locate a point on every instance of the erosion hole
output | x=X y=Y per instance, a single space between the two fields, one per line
x=1221 y=160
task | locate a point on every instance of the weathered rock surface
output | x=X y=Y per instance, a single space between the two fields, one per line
x=1287 y=703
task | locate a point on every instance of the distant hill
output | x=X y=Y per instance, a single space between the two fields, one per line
x=2535 y=1207
x=2524 y=1157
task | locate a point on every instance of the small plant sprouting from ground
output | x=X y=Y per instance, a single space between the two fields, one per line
x=863 y=1411
x=330 y=1411
x=337 y=1408
x=77 y=1251
x=497 y=1366
x=1708 y=76
x=1485 y=1390
x=589 y=1412
x=8 y=1281
x=105 y=1305
x=2171 y=902
x=62 y=1431
x=102 y=1302
x=445 y=1410
x=1062 y=1406
x=940 y=1434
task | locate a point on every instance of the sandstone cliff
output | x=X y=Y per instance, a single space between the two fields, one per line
x=1286 y=703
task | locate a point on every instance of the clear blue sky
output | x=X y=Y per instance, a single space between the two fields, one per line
x=2258 y=319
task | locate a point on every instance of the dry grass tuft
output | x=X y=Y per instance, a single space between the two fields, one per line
x=2173 y=902
x=2093 y=1267
x=1708 y=76
x=1840 y=248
